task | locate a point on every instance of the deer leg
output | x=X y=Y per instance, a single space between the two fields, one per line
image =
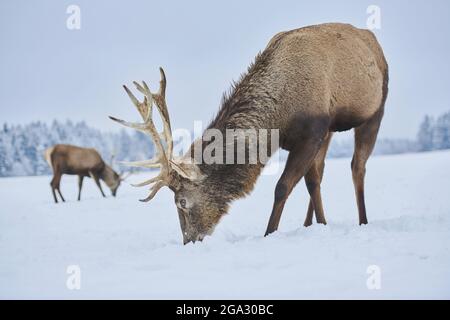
x=80 y=185
x=365 y=138
x=56 y=182
x=298 y=163
x=52 y=185
x=313 y=180
x=97 y=182
x=309 y=214
x=60 y=194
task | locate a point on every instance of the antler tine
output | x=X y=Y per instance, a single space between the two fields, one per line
x=143 y=108
x=137 y=126
x=163 y=157
x=167 y=131
x=143 y=89
x=160 y=99
x=152 y=163
x=154 y=190
x=147 y=127
x=147 y=182
x=162 y=83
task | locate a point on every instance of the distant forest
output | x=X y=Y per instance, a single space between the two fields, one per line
x=22 y=146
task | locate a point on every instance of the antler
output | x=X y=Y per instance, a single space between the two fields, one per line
x=163 y=158
x=124 y=175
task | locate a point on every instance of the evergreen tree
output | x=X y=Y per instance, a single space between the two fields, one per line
x=442 y=131
x=425 y=134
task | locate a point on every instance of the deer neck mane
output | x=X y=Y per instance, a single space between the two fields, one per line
x=233 y=179
x=241 y=109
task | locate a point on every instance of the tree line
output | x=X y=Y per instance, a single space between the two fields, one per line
x=22 y=146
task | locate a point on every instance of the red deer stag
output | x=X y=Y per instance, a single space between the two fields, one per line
x=308 y=83
x=84 y=162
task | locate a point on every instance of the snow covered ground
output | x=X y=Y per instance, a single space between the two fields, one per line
x=128 y=249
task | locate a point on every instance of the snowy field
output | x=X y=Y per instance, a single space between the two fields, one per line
x=129 y=249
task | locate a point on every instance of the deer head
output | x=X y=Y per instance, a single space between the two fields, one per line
x=111 y=177
x=199 y=209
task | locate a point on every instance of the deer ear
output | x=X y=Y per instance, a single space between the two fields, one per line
x=187 y=170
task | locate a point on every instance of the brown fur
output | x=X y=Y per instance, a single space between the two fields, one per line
x=84 y=162
x=307 y=83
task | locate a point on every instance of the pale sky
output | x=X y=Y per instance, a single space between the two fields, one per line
x=49 y=71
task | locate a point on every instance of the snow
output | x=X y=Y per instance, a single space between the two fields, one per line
x=129 y=249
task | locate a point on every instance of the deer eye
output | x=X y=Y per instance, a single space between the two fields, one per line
x=183 y=203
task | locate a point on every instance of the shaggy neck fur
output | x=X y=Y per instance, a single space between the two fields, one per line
x=241 y=109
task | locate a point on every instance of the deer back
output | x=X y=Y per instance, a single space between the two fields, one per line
x=76 y=160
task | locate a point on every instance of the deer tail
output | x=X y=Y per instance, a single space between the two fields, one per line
x=48 y=156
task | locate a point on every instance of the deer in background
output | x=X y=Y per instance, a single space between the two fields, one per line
x=84 y=162
x=308 y=83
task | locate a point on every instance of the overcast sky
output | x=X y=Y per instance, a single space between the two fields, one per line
x=48 y=71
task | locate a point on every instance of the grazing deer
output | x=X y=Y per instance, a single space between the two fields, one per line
x=84 y=162
x=308 y=83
